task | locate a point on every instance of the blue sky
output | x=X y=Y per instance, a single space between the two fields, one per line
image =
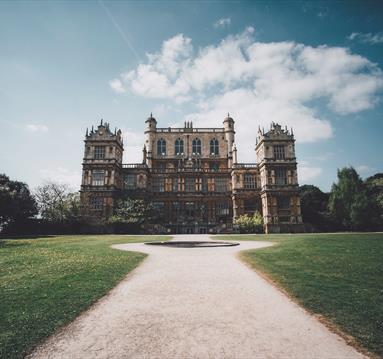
x=315 y=66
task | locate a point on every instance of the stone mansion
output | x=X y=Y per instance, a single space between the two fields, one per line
x=193 y=178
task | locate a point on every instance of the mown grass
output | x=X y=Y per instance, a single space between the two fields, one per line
x=338 y=276
x=46 y=282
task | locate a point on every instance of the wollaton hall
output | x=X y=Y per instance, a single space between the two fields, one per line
x=193 y=178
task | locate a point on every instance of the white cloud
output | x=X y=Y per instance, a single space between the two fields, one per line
x=36 y=128
x=258 y=83
x=368 y=38
x=62 y=175
x=307 y=173
x=364 y=168
x=221 y=23
x=117 y=86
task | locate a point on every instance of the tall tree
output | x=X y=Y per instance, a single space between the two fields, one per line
x=314 y=207
x=349 y=201
x=56 y=203
x=16 y=201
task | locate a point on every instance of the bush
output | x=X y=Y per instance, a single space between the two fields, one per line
x=250 y=224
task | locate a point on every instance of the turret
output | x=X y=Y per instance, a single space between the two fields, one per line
x=150 y=130
x=228 y=125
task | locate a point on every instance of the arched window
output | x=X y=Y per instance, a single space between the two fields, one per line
x=161 y=147
x=196 y=144
x=214 y=149
x=179 y=147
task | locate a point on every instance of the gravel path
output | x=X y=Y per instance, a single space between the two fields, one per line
x=195 y=303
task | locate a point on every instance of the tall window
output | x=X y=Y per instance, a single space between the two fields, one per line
x=198 y=184
x=99 y=152
x=181 y=184
x=196 y=146
x=158 y=184
x=223 y=209
x=98 y=177
x=214 y=148
x=190 y=184
x=283 y=202
x=280 y=176
x=96 y=203
x=211 y=185
x=214 y=166
x=168 y=184
x=189 y=209
x=221 y=184
x=179 y=147
x=130 y=181
x=279 y=152
x=250 y=182
x=161 y=147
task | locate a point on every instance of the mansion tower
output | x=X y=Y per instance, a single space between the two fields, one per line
x=193 y=178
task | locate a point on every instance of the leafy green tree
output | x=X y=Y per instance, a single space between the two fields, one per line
x=349 y=201
x=250 y=224
x=314 y=207
x=16 y=201
x=56 y=203
x=375 y=191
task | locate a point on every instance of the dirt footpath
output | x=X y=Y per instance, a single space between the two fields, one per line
x=195 y=303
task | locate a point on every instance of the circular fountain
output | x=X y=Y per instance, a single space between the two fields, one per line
x=193 y=244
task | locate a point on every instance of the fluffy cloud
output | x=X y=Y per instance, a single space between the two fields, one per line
x=308 y=173
x=117 y=86
x=258 y=83
x=36 y=128
x=221 y=23
x=368 y=38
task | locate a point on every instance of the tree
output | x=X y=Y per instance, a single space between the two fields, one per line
x=16 y=201
x=349 y=201
x=56 y=203
x=250 y=224
x=314 y=207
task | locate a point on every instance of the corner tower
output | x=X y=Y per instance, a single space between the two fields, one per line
x=277 y=165
x=101 y=171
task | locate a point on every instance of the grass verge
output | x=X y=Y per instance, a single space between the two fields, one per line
x=337 y=276
x=46 y=282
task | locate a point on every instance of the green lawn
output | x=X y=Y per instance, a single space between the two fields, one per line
x=339 y=276
x=45 y=283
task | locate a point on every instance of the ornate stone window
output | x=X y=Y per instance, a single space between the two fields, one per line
x=280 y=176
x=279 y=152
x=211 y=184
x=130 y=181
x=214 y=147
x=221 y=184
x=96 y=203
x=179 y=147
x=181 y=184
x=99 y=152
x=158 y=184
x=249 y=181
x=198 y=184
x=223 y=209
x=161 y=147
x=190 y=184
x=196 y=146
x=98 y=177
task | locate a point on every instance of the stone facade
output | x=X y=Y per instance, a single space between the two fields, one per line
x=192 y=176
